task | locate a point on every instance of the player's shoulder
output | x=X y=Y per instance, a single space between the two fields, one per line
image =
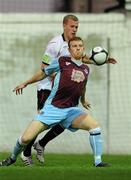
x=64 y=58
x=85 y=65
x=57 y=39
x=86 y=68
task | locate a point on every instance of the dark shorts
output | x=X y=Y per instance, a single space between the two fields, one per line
x=42 y=96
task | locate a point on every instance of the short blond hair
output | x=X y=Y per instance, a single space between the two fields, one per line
x=69 y=16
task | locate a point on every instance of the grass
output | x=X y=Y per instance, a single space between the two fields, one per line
x=69 y=167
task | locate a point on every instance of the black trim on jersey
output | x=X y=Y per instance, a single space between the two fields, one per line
x=45 y=63
x=63 y=37
x=95 y=134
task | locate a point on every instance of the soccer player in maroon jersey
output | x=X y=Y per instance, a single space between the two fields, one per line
x=61 y=106
x=57 y=47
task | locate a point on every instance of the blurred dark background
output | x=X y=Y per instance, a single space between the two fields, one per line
x=82 y=6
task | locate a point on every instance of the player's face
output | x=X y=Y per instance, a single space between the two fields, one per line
x=76 y=49
x=70 y=29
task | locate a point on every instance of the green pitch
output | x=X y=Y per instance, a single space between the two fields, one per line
x=69 y=167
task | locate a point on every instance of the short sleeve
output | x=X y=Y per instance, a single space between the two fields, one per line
x=53 y=67
x=51 y=52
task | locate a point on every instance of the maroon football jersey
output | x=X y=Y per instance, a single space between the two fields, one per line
x=71 y=82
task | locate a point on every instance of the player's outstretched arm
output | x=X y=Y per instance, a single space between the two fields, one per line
x=37 y=77
x=111 y=61
x=19 y=89
x=87 y=60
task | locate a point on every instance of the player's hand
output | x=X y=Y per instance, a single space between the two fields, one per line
x=19 y=89
x=86 y=104
x=86 y=60
x=111 y=61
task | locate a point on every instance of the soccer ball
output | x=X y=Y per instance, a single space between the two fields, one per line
x=99 y=55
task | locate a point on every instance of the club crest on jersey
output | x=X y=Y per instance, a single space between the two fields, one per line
x=68 y=63
x=77 y=76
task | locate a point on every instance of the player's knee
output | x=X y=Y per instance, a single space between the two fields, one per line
x=93 y=125
x=25 y=139
x=88 y=124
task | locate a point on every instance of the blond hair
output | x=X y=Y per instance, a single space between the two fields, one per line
x=69 y=16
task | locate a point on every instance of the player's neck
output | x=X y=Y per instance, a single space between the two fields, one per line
x=77 y=61
x=65 y=37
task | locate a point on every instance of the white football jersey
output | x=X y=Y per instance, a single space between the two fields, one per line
x=56 y=47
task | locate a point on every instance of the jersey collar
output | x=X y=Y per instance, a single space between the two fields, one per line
x=63 y=37
x=77 y=62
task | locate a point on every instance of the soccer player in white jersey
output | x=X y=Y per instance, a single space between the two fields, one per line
x=57 y=47
x=61 y=106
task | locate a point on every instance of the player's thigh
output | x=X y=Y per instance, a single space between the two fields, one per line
x=33 y=129
x=84 y=121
